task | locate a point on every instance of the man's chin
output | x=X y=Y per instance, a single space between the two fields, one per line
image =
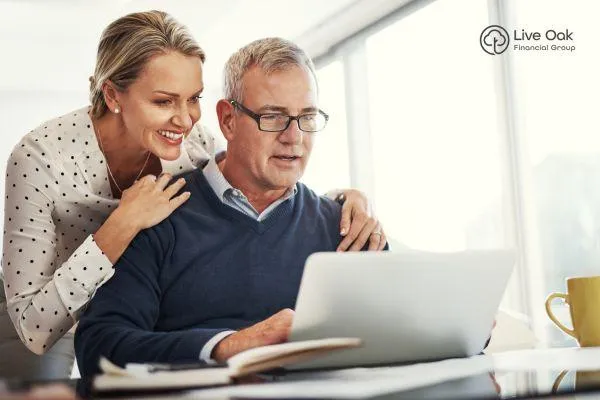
x=281 y=184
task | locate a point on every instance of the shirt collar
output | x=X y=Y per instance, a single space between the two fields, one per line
x=216 y=179
x=222 y=187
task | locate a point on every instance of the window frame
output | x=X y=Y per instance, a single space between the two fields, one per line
x=516 y=208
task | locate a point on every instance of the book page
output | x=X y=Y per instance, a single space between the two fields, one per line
x=283 y=354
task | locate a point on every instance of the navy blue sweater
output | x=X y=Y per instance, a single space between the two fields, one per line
x=205 y=269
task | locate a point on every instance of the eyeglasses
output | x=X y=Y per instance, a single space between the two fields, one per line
x=272 y=122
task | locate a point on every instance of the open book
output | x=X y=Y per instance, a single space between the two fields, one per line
x=136 y=377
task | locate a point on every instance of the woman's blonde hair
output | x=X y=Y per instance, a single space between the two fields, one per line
x=128 y=43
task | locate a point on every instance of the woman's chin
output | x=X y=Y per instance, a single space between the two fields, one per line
x=165 y=148
x=167 y=154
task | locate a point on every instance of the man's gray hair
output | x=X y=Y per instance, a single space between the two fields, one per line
x=270 y=54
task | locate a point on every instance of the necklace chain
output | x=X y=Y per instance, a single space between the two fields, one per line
x=108 y=165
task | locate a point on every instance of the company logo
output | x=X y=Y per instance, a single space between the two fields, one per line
x=494 y=40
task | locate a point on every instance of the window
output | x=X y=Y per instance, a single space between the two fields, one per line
x=438 y=157
x=427 y=138
x=558 y=124
x=437 y=160
x=328 y=167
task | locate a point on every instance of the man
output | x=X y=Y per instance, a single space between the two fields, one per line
x=232 y=256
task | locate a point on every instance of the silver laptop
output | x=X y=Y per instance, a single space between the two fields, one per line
x=405 y=307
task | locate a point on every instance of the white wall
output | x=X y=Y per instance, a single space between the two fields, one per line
x=49 y=47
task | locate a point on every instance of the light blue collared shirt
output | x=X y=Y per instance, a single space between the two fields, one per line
x=234 y=198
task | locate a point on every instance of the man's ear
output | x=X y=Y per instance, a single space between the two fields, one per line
x=111 y=95
x=225 y=113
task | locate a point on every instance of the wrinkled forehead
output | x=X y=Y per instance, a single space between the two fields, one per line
x=293 y=84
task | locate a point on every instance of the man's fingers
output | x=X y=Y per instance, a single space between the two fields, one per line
x=276 y=328
x=364 y=234
x=273 y=330
x=286 y=320
x=286 y=312
x=284 y=317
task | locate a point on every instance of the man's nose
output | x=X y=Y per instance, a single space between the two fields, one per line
x=292 y=134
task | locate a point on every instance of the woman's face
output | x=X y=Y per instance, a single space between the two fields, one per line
x=162 y=105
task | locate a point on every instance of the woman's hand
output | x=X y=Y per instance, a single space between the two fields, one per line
x=146 y=203
x=149 y=200
x=358 y=225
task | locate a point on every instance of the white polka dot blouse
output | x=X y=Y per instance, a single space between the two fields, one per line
x=57 y=195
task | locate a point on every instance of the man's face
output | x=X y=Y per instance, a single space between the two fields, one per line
x=274 y=160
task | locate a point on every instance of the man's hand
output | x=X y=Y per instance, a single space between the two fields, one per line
x=272 y=330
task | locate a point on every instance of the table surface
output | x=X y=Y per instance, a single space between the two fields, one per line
x=564 y=373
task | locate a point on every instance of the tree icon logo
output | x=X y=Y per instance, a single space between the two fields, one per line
x=494 y=40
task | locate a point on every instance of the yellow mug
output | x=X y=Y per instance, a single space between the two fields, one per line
x=583 y=380
x=583 y=299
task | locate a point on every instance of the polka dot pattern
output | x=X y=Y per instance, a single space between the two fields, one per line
x=57 y=196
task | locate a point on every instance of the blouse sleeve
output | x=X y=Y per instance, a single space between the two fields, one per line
x=44 y=300
x=202 y=145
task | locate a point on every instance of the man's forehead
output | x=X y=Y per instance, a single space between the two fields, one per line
x=284 y=109
x=292 y=86
x=291 y=74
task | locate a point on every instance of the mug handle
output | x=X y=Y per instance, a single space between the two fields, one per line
x=558 y=381
x=563 y=328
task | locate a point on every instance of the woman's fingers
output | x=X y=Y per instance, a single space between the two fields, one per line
x=179 y=200
x=143 y=181
x=162 y=181
x=175 y=187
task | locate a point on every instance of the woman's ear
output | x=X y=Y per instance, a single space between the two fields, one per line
x=226 y=115
x=111 y=96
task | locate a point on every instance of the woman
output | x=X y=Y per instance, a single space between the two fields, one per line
x=80 y=187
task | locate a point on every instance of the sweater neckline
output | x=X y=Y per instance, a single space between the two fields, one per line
x=216 y=203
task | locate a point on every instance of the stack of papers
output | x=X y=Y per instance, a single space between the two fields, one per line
x=356 y=382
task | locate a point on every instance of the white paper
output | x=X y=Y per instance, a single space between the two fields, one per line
x=263 y=353
x=356 y=382
x=548 y=359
